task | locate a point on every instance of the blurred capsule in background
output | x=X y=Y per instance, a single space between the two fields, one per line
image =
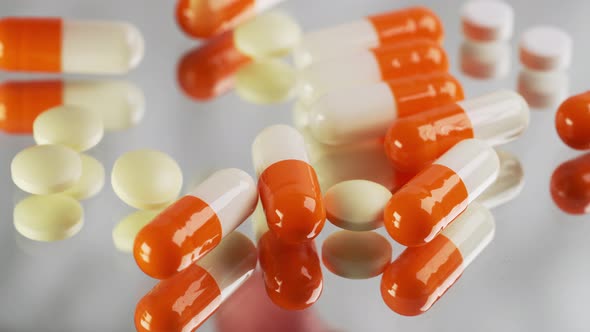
x=570 y=185
x=572 y=121
x=268 y=81
x=91 y=181
x=485 y=60
x=508 y=184
x=543 y=90
x=126 y=230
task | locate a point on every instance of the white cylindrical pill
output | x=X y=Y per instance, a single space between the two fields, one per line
x=546 y=48
x=487 y=20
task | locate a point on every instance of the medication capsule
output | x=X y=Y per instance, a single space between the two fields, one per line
x=415 y=280
x=414 y=142
x=356 y=114
x=187 y=299
x=425 y=205
x=288 y=184
x=572 y=121
x=371 y=32
x=67 y=46
x=570 y=185
x=195 y=224
x=126 y=230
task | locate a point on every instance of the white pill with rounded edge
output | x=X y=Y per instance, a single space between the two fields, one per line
x=507 y=186
x=91 y=182
x=266 y=82
x=487 y=20
x=545 y=48
x=126 y=230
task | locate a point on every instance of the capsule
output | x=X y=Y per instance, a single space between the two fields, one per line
x=288 y=184
x=186 y=300
x=195 y=224
x=425 y=205
x=414 y=281
x=572 y=121
x=371 y=66
x=356 y=114
x=414 y=142
x=570 y=185
x=390 y=27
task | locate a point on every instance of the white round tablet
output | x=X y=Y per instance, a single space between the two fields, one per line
x=508 y=184
x=91 y=181
x=266 y=81
x=543 y=90
x=546 y=48
x=489 y=60
x=487 y=20
x=126 y=230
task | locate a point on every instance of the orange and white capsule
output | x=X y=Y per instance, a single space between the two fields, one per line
x=370 y=32
x=430 y=201
x=288 y=184
x=189 y=298
x=58 y=45
x=356 y=114
x=195 y=224
x=414 y=281
x=415 y=141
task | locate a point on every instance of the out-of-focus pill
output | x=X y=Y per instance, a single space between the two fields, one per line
x=431 y=200
x=415 y=141
x=543 y=89
x=48 y=217
x=46 y=169
x=126 y=230
x=507 y=186
x=487 y=60
x=146 y=179
x=356 y=255
x=546 y=48
x=272 y=34
x=266 y=81
x=486 y=20
x=57 y=45
x=356 y=205
x=570 y=185
x=572 y=121
x=91 y=181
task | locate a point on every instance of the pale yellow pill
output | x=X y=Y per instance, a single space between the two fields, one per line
x=91 y=181
x=146 y=179
x=126 y=230
x=75 y=127
x=356 y=255
x=46 y=169
x=356 y=205
x=272 y=34
x=48 y=217
x=266 y=81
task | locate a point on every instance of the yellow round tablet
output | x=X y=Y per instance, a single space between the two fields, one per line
x=126 y=230
x=75 y=127
x=272 y=34
x=266 y=81
x=91 y=181
x=146 y=179
x=48 y=217
x=46 y=169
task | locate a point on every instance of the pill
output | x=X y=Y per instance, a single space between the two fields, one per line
x=415 y=141
x=206 y=18
x=371 y=66
x=48 y=217
x=415 y=280
x=486 y=20
x=356 y=205
x=271 y=34
x=485 y=60
x=195 y=224
x=126 y=230
x=365 y=112
x=425 y=205
x=91 y=181
x=146 y=179
x=41 y=44
x=187 y=299
x=543 y=89
x=572 y=121
x=570 y=185
x=288 y=184
x=266 y=81
x=46 y=169
x=545 y=48
x=356 y=255
x=300 y=116
x=507 y=186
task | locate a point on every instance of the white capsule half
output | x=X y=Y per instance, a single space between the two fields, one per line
x=277 y=143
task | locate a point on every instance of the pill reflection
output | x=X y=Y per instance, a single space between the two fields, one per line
x=490 y=60
x=542 y=89
x=570 y=185
x=508 y=184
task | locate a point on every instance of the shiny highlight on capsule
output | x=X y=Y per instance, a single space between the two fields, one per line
x=572 y=121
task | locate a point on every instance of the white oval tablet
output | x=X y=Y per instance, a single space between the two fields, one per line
x=266 y=81
x=508 y=184
x=546 y=48
x=91 y=181
x=487 y=20
x=126 y=230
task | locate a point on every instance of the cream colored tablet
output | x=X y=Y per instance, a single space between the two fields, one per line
x=146 y=179
x=356 y=205
x=91 y=181
x=126 y=230
x=271 y=34
x=266 y=81
x=48 y=217
x=71 y=126
x=356 y=255
x=46 y=169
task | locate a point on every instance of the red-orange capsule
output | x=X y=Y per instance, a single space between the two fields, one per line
x=572 y=121
x=570 y=185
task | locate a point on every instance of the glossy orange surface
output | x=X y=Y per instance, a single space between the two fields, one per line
x=570 y=185
x=414 y=142
x=292 y=273
x=292 y=200
x=177 y=237
x=572 y=121
x=422 y=208
x=407 y=24
x=207 y=18
x=31 y=44
x=22 y=101
x=413 y=282
x=410 y=58
x=181 y=303
x=208 y=71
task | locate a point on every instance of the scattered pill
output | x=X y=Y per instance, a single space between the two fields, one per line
x=48 y=217
x=404 y=286
x=570 y=185
x=423 y=207
x=490 y=60
x=545 y=48
x=271 y=34
x=146 y=179
x=266 y=81
x=486 y=20
x=126 y=230
x=507 y=186
x=572 y=121
x=543 y=90
x=46 y=169
x=91 y=181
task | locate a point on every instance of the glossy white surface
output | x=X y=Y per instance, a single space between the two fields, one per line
x=262 y=5
x=277 y=143
x=487 y=20
x=508 y=184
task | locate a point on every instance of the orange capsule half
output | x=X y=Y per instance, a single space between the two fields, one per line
x=572 y=121
x=570 y=185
